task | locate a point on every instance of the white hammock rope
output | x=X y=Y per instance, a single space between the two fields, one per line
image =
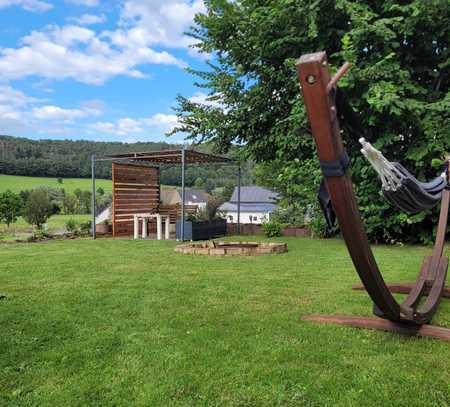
x=391 y=177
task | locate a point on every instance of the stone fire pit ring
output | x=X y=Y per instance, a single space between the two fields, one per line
x=221 y=248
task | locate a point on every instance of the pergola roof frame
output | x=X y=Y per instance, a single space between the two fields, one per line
x=181 y=157
x=169 y=157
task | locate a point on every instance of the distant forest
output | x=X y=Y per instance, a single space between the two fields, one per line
x=72 y=159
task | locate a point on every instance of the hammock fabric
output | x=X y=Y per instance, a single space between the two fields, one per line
x=400 y=187
x=414 y=196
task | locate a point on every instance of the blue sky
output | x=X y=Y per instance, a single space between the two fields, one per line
x=95 y=69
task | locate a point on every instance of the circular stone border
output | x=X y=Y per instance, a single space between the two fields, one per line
x=222 y=248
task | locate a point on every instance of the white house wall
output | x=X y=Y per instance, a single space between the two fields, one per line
x=256 y=217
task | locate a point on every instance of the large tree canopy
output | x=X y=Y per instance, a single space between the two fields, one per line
x=399 y=84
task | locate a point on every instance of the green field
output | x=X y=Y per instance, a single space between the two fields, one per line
x=123 y=322
x=54 y=223
x=18 y=183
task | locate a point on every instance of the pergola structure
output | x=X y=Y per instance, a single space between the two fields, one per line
x=181 y=157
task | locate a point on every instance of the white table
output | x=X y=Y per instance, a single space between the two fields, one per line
x=145 y=217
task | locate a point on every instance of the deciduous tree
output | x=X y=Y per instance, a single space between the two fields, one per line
x=399 y=85
x=10 y=207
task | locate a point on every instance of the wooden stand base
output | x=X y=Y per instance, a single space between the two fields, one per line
x=379 y=324
x=403 y=288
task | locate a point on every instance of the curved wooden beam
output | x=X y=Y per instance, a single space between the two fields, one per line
x=314 y=77
x=378 y=324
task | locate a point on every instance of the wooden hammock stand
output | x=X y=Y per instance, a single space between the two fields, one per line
x=412 y=316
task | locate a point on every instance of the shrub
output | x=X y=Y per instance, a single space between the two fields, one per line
x=272 y=228
x=317 y=223
x=71 y=226
x=290 y=215
x=37 y=235
x=38 y=208
x=85 y=227
x=212 y=207
x=70 y=204
x=209 y=212
x=10 y=206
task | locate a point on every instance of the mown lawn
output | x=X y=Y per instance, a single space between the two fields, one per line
x=121 y=323
x=54 y=223
x=17 y=183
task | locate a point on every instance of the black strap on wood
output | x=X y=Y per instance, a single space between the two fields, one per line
x=335 y=168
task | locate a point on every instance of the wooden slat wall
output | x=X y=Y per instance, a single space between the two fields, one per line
x=136 y=189
x=174 y=211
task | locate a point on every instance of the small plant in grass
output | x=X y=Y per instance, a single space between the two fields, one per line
x=272 y=228
x=71 y=226
x=39 y=234
x=85 y=227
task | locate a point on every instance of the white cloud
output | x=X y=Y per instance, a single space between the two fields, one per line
x=123 y=127
x=78 y=53
x=88 y=108
x=14 y=105
x=29 y=5
x=165 y=122
x=56 y=113
x=155 y=124
x=87 y=3
x=204 y=99
x=88 y=19
x=93 y=107
x=23 y=114
x=161 y=22
x=13 y=97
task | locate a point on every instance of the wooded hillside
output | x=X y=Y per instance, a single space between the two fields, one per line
x=72 y=159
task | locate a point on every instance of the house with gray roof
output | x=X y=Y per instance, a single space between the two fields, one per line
x=192 y=197
x=257 y=204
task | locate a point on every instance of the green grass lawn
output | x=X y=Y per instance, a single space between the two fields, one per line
x=54 y=223
x=125 y=323
x=18 y=183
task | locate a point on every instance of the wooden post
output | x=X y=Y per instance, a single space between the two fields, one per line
x=167 y=228
x=136 y=227
x=94 y=232
x=144 y=227
x=183 y=192
x=158 y=227
x=239 y=201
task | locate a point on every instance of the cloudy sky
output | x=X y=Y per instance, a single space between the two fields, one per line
x=95 y=69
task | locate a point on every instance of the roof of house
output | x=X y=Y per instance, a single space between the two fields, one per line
x=195 y=195
x=173 y=196
x=248 y=207
x=255 y=194
x=169 y=196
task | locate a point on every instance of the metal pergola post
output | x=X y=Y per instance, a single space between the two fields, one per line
x=93 y=196
x=239 y=201
x=183 y=192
